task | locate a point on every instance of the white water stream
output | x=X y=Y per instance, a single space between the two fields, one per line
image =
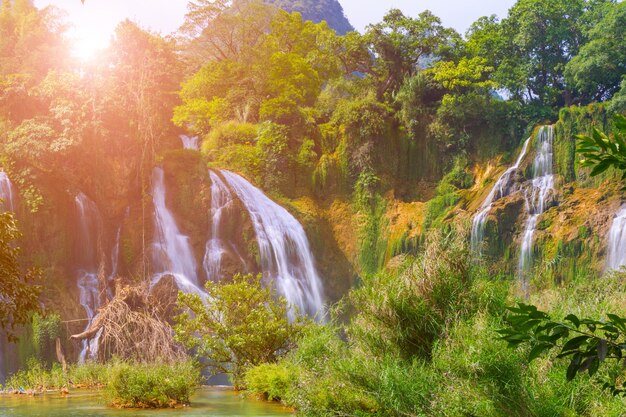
x=537 y=196
x=617 y=241
x=87 y=274
x=171 y=251
x=503 y=187
x=286 y=257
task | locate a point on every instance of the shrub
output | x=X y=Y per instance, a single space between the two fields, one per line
x=405 y=312
x=231 y=133
x=241 y=324
x=134 y=385
x=270 y=380
x=37 y=378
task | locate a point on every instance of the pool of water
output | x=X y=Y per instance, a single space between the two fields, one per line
x=207 y=402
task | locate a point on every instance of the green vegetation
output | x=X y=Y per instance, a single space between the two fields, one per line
x=151 y=385
x=601 y=152
x=126 y=384
x=237 y=325
x=586 y=343
x=18 y=294
x=350 y=131
x=424 y=341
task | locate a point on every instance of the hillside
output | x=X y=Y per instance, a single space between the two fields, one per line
x=317 y=11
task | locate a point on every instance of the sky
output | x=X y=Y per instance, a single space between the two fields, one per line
x=93 y=23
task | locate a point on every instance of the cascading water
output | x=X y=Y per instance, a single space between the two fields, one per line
x=617 y=241
x=87 y=274
x=171 y=251
x=6 y=192
x=221 y=200
x=190 y=142
x=503 y=187
x=286 y=258
x=537 y=195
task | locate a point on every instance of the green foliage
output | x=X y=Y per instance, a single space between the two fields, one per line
x=329 y=11
x=133 y=385
x=601 y=152
x=239 y=325
x=371 y=208
x=448 y=195
x=418 y=301
x=231 y=133
x=586 y=343
x=17 y=289
x=597 y=71
x=46 y=329
x=37 y=377
x=270 y=380
x=402 y=43
x=126 y=384
x=273 y=144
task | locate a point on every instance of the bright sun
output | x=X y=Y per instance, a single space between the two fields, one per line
x=86 y=46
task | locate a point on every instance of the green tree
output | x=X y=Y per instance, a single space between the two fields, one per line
x=544 y=35
x=597 y=70
x=221 y=30
x=18 y=294
x=238 y=325
x=403 y=45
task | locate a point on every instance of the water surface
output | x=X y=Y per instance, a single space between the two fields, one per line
x=207 y=402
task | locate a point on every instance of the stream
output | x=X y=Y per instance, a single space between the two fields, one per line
x=207 y=402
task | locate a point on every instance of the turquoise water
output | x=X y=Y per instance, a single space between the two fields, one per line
x=206 y=403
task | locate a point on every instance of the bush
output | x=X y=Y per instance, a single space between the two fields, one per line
x=134 y=385
x=270 y=380
x=37 y=378
x=127 y=384
x=240 y=325
x=231 y=133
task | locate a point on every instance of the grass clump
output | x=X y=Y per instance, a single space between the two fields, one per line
x=126 y=384
x=135 y=385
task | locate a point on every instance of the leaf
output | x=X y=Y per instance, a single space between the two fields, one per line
x=574 y=343
x=603 y=349
x=572 y=369
x=572 y=318
x=537 y=350
x=593 y=368
x=600 y=168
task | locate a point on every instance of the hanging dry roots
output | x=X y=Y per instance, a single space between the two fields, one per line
x=130 y=327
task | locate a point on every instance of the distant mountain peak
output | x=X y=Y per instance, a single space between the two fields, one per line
x=317 y=11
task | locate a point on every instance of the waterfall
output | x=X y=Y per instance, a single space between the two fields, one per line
x=221 y=199
x=286 y=258
x=190 y=142
x=171 y=251
x=617 y=241
x=6 y=192
x=503 y=187
x=537 y=195
x=87 y=275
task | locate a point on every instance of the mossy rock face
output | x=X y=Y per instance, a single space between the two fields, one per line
x=502 y=224
x=188 y=195
x=335 y=270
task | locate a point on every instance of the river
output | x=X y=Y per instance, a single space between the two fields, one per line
x=207 y=402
